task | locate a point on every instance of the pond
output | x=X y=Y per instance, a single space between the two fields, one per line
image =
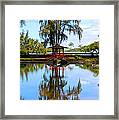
x=40 y=81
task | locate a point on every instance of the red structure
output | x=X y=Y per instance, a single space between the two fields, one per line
x=57 y=51
x=57 y=72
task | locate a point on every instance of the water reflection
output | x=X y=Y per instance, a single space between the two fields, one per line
x=92 y=67
x=53 y=88
x=54 y=82
x=26 y=68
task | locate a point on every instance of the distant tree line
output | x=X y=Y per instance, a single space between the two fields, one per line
x=93 y=47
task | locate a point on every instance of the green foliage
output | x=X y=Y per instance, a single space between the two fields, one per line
x=94 y=47
x=29 y=45
x=53 y=31
x=91 y=64
x=49 y=49
x=26 y=68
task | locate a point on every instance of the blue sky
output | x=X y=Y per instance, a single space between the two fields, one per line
x=91 y=32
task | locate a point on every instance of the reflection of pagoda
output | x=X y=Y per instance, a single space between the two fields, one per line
x=57 y=72
x=58 y=51
x=53 y=89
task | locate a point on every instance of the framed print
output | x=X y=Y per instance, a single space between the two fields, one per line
x=59 y=60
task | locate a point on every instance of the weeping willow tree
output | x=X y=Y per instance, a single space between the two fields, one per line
x=54 y=32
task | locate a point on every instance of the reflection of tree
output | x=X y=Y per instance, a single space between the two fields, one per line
x=53 y=89
x=26 y=68
x=90 y=66
x=53 y=86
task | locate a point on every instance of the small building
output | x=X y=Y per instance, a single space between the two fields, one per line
x=58 y=51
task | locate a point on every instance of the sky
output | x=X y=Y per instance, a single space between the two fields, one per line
x=91 y=32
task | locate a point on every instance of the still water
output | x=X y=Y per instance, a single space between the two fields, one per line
x=69 y=82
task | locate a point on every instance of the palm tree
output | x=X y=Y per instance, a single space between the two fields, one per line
x=54 y=31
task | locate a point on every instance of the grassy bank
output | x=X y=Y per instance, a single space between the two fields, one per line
x=89 y=60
